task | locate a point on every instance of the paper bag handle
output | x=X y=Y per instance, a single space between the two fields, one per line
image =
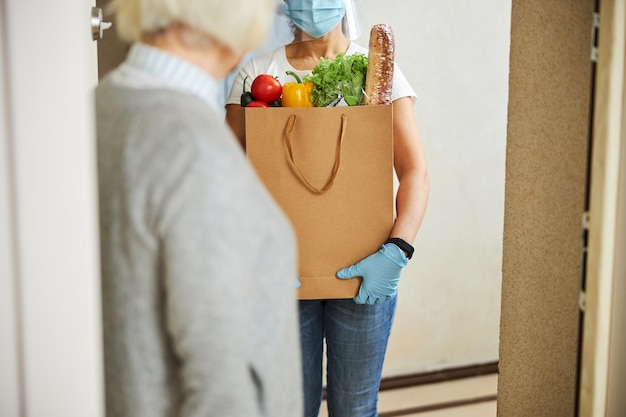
x=291 y=122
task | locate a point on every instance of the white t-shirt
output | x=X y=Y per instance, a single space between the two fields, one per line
x=275 y=63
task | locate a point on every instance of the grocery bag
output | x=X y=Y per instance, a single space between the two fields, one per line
x=331 y=171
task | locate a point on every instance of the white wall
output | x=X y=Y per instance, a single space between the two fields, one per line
x=455 y=53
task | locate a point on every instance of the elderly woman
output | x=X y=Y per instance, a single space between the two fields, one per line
x=198 y=262
x=356 y=331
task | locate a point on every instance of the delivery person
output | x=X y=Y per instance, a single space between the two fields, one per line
x=356 y=330
x=198 y=261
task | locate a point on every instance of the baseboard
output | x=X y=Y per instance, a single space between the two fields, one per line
x=437 y=407
x=433 y=377
x=444 y=375
x=449 y=374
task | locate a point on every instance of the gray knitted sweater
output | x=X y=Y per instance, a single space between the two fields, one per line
x=198 y=266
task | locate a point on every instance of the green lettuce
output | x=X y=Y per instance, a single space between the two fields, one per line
x=342 y=77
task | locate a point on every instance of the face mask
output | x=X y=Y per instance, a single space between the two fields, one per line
x=315 y=17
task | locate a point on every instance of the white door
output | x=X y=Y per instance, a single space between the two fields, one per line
x=50 y=331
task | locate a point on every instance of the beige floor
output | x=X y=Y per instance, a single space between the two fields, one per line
x=425 y=397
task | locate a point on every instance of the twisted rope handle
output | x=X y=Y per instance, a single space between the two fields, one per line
x=291 y=122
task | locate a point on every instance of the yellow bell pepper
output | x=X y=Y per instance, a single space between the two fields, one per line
x=297 y=94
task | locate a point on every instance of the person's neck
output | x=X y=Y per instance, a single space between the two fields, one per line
x=305 y=51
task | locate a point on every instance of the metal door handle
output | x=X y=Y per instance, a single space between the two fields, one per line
x=97 y=25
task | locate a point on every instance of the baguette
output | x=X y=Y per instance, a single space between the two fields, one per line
x=379 y=77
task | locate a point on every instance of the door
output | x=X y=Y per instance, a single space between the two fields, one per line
x=50 y=354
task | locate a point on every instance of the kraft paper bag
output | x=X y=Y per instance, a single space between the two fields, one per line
x=331 y=171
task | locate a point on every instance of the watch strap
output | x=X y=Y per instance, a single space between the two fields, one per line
x=402 y=244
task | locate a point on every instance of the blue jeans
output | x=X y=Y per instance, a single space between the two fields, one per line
x=356 y=341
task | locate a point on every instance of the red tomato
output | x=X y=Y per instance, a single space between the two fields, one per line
x=257 y=103
x=266 y=88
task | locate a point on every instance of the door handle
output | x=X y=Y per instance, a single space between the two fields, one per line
x=98 y=26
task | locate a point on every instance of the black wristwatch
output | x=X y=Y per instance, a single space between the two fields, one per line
x=402 y=244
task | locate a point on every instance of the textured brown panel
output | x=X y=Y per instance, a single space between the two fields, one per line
x=550 y=82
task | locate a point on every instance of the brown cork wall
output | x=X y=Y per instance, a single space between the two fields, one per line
x=547 y=145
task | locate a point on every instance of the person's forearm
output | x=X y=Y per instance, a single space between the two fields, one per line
x=411 y=168
x=411 y=202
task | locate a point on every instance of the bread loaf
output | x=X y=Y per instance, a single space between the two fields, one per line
x=379 y=78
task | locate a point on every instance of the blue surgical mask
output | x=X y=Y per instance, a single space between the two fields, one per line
x=315 y=17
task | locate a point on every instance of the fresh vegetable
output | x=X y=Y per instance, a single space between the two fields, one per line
x=266 y=88
x=297 y=94
x=343 y=77
x=246 y=96
x=258 y=103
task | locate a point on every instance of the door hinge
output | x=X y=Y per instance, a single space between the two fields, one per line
x=585 y=222
x=585 y=235
x=581 y=301
x=595 y=26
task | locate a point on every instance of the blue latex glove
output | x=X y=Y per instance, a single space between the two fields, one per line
x=380 y=272
x=298 y=283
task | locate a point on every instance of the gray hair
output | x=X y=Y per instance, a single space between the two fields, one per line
x=241 y=25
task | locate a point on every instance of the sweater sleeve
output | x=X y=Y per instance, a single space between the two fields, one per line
x=207 y=305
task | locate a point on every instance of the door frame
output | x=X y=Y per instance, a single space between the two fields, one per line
x=9 y=356
x=606 y=217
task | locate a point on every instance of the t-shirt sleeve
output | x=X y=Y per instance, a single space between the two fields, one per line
x=401 y=87
x=236 y=89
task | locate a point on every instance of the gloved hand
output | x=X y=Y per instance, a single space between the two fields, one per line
x=380 y=272
x=298 y=283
